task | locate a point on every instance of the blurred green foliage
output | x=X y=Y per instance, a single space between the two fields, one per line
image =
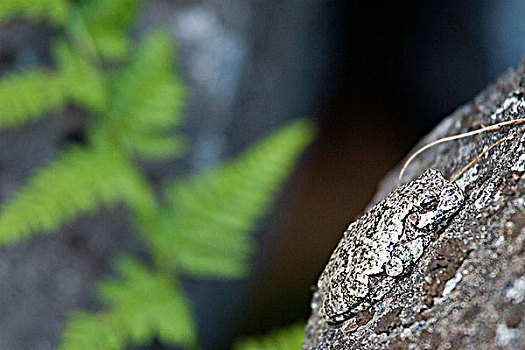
x=141 y=303
x=288 y=338
x=199 y=226
x=55 y=11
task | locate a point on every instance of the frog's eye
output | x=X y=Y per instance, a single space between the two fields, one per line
x=428 y=203
x=337 y=319
x=412 y=219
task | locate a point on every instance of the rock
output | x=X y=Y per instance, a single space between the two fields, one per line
x=468 y=289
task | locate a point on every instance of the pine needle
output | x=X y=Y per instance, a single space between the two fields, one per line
x=456 y=137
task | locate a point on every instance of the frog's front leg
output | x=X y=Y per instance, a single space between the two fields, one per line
x=403 y=255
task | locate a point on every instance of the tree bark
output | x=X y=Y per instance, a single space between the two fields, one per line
x=468 y=289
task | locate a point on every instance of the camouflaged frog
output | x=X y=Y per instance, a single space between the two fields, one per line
x=388 y=238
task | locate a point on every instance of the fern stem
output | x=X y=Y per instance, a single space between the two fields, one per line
x=77 y=32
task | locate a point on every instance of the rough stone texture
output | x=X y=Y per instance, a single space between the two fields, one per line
x=468 y=289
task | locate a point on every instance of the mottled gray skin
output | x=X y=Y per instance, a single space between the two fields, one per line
x=388 y=238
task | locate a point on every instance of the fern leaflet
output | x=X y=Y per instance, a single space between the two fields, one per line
x=209 y=217
x=76 y=183
x=147 y=100
x=54 y=10
x=85 y=82
x=28 y=96
x=107 y=23
x=289 y=338
x=141 y=304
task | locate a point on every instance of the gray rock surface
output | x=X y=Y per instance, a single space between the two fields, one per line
x=468 y=289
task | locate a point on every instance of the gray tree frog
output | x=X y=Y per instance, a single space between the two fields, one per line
x=386 y=240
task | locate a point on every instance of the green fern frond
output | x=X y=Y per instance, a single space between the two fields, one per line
x=85 y=82
x=29 y=95
x=55 y=11
x=107 y=22
x=141 y=304
x=210 y=216
x=76 y=183
x=147 y=100
x=289 y=338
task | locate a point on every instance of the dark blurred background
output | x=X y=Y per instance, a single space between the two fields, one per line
x=375 y=77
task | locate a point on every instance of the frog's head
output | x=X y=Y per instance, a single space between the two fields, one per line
x=436 y=200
